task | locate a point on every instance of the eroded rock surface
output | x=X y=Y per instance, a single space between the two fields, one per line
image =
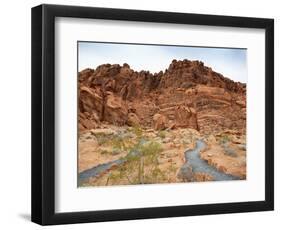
x=186 y=95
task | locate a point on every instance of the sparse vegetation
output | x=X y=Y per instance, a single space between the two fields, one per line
x=224 y=139
x=142 y=154
x=141 y=167
x=162 y=134
x=117 y=142
x=102 y=138
x=148 y=157
x=104 y=152
x=137 y=130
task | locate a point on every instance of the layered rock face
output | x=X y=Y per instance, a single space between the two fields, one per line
x=186 y=95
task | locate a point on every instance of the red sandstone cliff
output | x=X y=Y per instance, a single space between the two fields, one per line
x=187 y=94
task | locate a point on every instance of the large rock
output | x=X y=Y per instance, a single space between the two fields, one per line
x=86 y=124
x=90 y=101
x=185 y=117
x=133 y=120
x=115 y=110
x=159 y=121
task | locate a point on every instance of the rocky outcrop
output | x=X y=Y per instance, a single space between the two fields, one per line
x=185 y=117
x=186 y=95
x=115 y=109
x=159 y=121
x=133 y=120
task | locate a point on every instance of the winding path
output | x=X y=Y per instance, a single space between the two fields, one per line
x=97 y=170
x=198 y=165
x=101 y=168
x=192 y=158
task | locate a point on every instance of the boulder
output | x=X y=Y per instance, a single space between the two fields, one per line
x=115 y=110
x=185 y=117
x=159 y=121
x=133 y=120
x=90 y=101
x=86 y=124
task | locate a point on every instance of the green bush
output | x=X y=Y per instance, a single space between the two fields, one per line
x=224 y=139
x=141 y=164
x=151 y=148
x=104 y=152
x=162 y=134
x=137 y=130
x=102 y=138
x=118 y=143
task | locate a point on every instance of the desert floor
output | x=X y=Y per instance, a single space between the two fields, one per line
x=113 y=155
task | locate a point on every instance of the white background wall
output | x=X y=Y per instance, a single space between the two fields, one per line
x=15 y=113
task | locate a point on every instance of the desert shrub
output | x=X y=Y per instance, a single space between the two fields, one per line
x=141 y=164
x=151 y=148
x=172 y=168
x=162 y=134
x=104 y=152
x=102 y=138
x=155 y=176
x=113 y=177
x=224 y=139
x=115 y=151
x=137 y=130
x=117 y=142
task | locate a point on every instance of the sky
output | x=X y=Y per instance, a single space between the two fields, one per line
x=230 y=62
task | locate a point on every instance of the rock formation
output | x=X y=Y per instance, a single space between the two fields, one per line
x=186 y=95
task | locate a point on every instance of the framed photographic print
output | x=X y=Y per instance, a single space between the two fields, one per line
x=143 y=114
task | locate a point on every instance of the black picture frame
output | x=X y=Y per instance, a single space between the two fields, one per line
x=43 y=114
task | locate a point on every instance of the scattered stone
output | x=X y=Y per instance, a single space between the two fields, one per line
x=105 y=131
x=167 y=140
